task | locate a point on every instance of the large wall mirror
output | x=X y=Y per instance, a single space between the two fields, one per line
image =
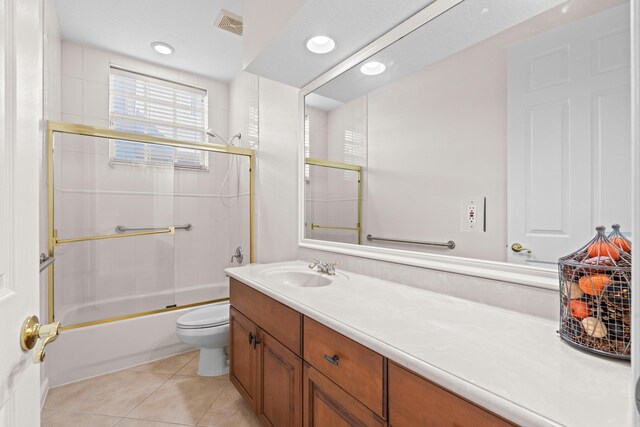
x=497 y=130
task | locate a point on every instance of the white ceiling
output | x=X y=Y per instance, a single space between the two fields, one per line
x=129 y=26
x=351 y=23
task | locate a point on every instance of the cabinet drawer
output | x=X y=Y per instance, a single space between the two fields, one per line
x=415 y=401
x=355 y=368
x=280 y=321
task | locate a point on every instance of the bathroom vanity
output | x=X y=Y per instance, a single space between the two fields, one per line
x=317 y=350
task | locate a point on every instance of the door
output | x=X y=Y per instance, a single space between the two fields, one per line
x=280 y=397
x=243 y=357
x=569 y=141
x=20 y=147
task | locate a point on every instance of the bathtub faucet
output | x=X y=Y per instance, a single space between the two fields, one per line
x=238 y=255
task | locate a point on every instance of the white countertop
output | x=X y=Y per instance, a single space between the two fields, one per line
x=509 y=363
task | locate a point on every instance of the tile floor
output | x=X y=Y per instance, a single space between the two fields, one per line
x=163 y=393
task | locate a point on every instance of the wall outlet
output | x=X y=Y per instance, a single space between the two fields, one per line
x=472 y=214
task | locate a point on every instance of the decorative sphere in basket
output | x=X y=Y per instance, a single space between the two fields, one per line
x=595 y=297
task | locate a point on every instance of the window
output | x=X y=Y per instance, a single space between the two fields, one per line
x=151 y=106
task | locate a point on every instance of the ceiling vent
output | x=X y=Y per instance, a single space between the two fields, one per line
x=229 y=22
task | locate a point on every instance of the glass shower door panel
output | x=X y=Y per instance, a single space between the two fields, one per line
x=96 y=194
x=331 y=204
x=216 y=203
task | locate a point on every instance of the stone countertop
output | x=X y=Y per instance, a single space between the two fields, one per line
x=509 y=363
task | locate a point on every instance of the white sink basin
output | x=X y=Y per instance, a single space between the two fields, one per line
x=301 y=279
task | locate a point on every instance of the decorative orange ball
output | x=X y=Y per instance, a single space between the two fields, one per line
x=594 y=284
x=579 y=309
x=622 y=244
x=603 y=249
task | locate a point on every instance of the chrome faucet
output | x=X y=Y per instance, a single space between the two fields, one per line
x=324 y=267
x=238 y=255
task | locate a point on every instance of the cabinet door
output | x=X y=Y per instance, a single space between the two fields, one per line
x=326 y=404
x=243 y=360
x=415 y=401
x=280 y=383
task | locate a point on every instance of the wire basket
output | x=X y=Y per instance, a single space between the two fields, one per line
x=595 y=297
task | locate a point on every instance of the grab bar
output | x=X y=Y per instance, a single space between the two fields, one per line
x=123 y=229
x=45 y=262
x=56 y=241
x=450 y=244
x=314 y=226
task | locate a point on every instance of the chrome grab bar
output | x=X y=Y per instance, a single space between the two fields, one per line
x=45 y=262
x=123 y=229
x=450 y=244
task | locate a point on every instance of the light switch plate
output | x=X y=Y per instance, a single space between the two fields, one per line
x=472 y=214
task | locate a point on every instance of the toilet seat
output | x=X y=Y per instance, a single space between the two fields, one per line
x=205 y=317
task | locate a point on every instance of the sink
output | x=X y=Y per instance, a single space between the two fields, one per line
x=301 y=279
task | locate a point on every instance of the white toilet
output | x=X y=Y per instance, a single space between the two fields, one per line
x=208 y=329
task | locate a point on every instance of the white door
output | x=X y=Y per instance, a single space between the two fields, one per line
x=20 y=146
x=569 y=136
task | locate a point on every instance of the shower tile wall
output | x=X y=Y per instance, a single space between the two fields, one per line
x=94 y=197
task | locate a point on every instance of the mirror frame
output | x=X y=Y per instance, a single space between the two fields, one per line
x=494 y=270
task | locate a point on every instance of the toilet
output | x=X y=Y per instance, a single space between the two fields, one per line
x=208 y=329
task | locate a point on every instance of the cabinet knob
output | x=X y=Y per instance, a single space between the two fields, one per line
x=334 y=360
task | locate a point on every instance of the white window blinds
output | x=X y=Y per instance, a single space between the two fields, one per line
x=151 y=106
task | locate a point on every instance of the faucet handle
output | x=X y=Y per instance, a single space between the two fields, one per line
x=315 y=263
x=331 y=267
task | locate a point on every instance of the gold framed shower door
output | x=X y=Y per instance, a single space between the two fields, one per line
x=92 y=131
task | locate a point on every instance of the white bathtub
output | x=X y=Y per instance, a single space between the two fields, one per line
x=94 y=350
x=105 y=309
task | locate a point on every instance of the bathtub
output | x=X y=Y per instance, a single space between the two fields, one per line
x=109 y=308
x=98 y=349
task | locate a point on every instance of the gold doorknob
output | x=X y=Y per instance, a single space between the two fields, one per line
x=33 y=333
x=517 y=247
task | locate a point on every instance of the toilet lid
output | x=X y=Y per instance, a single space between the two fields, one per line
x=211 y=315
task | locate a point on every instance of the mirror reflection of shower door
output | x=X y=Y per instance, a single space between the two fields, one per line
x=568 y=136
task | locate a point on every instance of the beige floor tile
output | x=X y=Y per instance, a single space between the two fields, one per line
x=129 y=422
x=77 y=419
x=168 y=365
x=229 y=410
x=46 y=413
x=190 y=368
x=182 y=399
x=111 y=394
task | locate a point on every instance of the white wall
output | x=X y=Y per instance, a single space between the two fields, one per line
x=277 y=171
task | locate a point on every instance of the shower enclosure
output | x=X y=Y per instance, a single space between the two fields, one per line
x=140 y=224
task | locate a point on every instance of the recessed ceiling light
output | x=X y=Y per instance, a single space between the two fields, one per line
x=321 y=44
x=373 y=68
x=162 y=48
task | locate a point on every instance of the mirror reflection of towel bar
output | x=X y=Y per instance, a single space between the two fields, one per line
x=450 y=244
x=314 y=226
x=123 y=229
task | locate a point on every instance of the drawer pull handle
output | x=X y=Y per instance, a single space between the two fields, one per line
x=251 y=338
x=256 y=341
x=333 y=360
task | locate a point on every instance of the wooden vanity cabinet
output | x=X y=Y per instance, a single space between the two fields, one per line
x=340 y=382
x=267 y=373
x=415 y=401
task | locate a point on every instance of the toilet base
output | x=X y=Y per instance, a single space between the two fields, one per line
x=212 y=362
